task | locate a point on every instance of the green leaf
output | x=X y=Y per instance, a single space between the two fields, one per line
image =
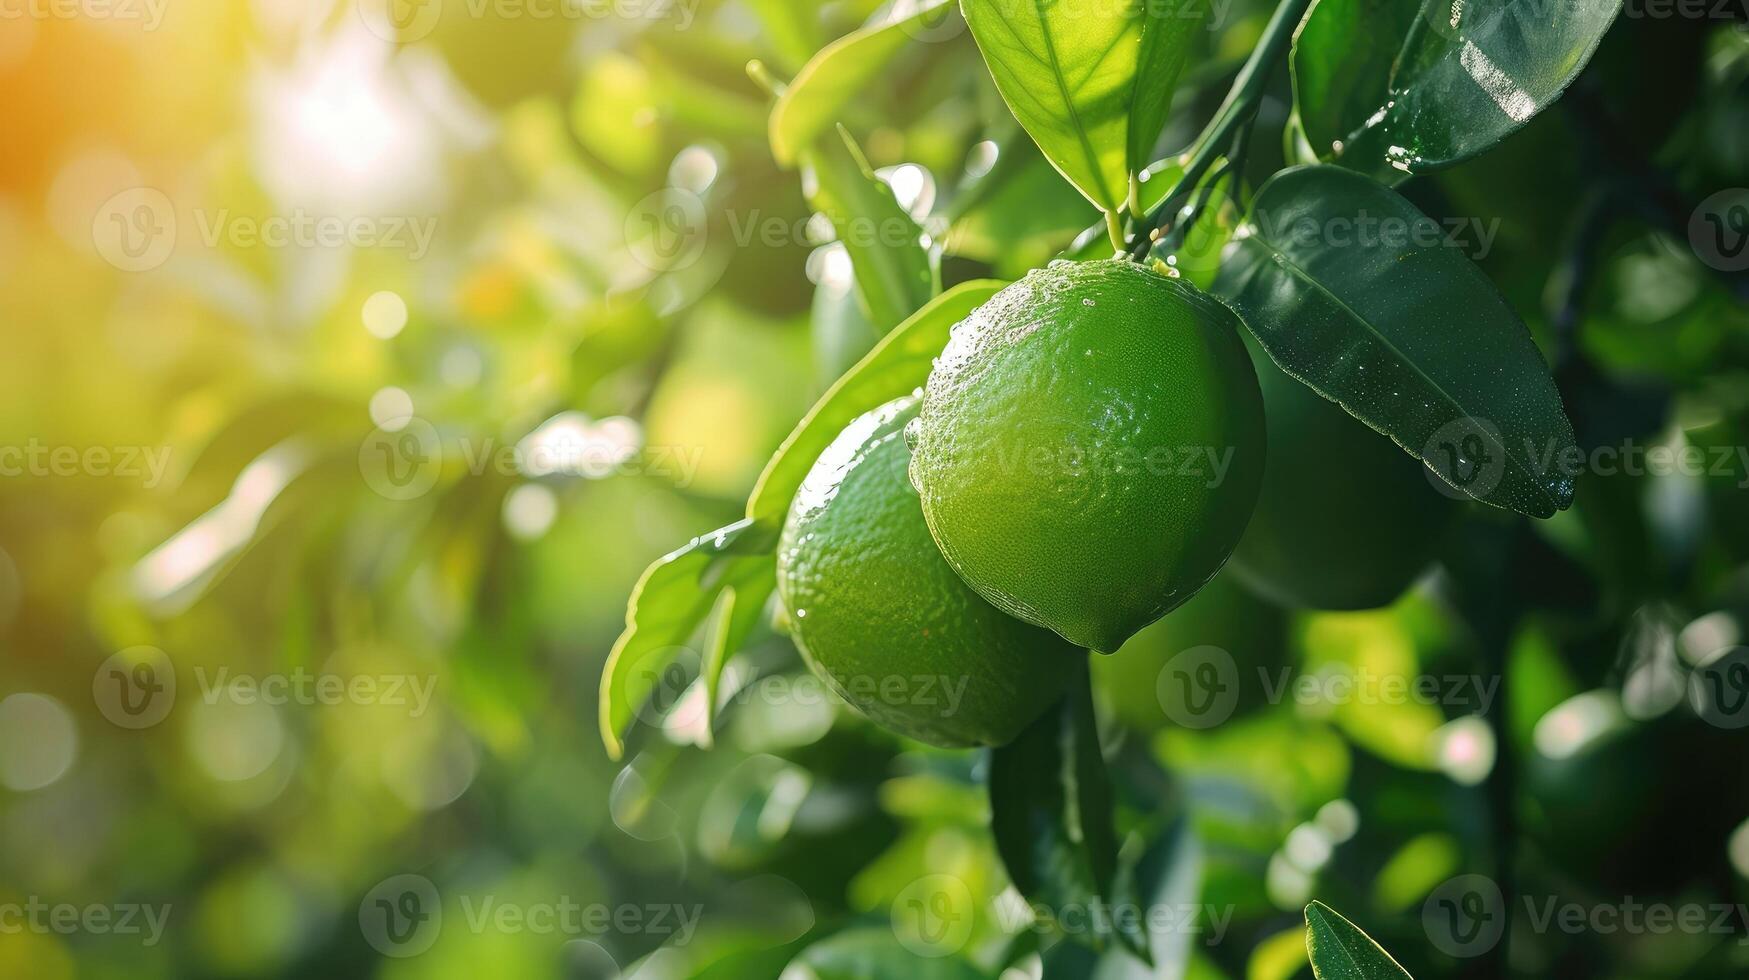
x=672 y=598
x=1341 y=62
x=1467 y=73
x=1051 y=813
x=874 y=953
x=1091 y=81
x=841 y=73
x=895 y=273
x=740 y=608
x=1167 y=29
x=1340 y=951
x=899 y=364
x=1400 y=328
x=1168 y=876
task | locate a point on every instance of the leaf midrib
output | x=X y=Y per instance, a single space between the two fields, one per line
x=1061 y=79
x=1300 y=273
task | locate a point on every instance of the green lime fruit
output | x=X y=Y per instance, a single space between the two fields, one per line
x=1345 y=519
x=1090 y=447
x=1143 y=683
x=880 y=617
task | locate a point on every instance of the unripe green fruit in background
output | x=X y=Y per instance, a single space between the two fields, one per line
x=1223 y=616
x=1345 y=519
x=879 y=615
x=1090 y=447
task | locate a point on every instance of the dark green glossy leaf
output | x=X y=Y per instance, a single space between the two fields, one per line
x=895 y=273
x=816 y=98
x=1051 y=814
x=1341 y=63
x=1168 y=876
x=1340 y=951
x=670 y=601
x=1091 y=81
x=874 y=954
x=1467 y=74
x=1356 y=293
x=898 y=364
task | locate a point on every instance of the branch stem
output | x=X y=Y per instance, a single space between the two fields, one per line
x=1239 y=109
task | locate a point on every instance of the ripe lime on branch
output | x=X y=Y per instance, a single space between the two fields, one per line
x=879 y=615
x=1090 y=447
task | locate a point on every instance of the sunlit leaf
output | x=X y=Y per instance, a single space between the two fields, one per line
x=1467 y=73
x=1400 y=327
x=899 y=364
x=895 y=271
x=669 y=603
x=1340 y=951
x=1091 y=82
x=841 y=73
x=741 y=607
